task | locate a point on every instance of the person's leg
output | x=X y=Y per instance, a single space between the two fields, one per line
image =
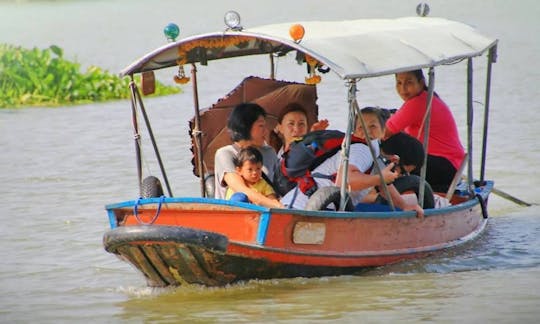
x=240 y=197
x=439 y=173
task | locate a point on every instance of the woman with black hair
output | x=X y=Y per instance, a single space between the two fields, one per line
x=247 y=127
x=408 y=149
x=293 y=124
x=407 y=153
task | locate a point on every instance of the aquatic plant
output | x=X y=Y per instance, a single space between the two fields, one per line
x=42 y=77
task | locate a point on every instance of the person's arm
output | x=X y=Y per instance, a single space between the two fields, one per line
x=358 y=180
x=223 y=164
x=399 y=202
x=272 y=196
x=411 y=113
x=237 y=184
x=264 y=187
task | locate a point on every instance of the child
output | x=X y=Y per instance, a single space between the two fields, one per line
x=248 y=164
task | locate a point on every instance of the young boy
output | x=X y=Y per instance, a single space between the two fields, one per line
x=248 y=163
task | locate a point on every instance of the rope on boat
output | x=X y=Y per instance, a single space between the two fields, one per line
x=136 y=214
x=482 y=205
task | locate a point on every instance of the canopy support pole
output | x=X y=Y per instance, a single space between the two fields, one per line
x=470 y=117
x=427 y=121
x=492 y=58
x=196 y=132
x=136 y=135
x=346 y=145
x=272 y=67
x=153 y=140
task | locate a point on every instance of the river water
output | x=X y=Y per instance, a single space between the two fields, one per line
x=60 y=166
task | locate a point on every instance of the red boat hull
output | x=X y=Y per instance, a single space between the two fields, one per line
x=216 y=242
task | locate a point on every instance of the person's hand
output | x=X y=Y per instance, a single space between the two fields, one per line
x=389 y=174
x=278 y=204
x=419 y=210
x=320 y=125
x=394 y=158
x=413 y=206
x=276 y=130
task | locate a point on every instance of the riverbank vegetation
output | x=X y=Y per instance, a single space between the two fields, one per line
x=42 y=77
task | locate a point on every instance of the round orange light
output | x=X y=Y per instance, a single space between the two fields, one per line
x=297 y=32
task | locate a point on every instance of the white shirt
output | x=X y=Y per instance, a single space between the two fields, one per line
x=359 y=156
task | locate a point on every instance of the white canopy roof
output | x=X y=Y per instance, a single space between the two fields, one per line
x=352 y=49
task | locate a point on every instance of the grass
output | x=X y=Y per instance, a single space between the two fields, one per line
x=42 y=77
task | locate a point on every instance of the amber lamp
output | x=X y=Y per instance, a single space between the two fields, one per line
x=297 y=32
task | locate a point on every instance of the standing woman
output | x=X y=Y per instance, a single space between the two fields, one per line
x=247 y=126
x=445 y=152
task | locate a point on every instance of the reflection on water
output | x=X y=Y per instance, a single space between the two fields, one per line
x=509 y=242
x=59 y=167
x=479 y=295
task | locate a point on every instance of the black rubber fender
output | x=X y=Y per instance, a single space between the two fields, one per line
x=210 y=185
x=412 y=183
x=482 y=205
x=151 y=187
x=118 y=237
x=323 y=197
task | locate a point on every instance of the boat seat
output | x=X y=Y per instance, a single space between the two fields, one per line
x=272 y=95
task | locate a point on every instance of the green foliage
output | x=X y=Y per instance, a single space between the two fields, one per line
x=34 y=77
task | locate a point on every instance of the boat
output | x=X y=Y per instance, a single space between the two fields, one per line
x=201 y=240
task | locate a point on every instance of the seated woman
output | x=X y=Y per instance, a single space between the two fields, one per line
x=360 y=176
x=293 y=123
x=445 y=151
x=247 y=125
x=249 y=163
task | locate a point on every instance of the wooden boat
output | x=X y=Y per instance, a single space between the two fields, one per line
x=213 y=242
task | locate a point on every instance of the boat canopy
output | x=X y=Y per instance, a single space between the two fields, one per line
x=352 y=48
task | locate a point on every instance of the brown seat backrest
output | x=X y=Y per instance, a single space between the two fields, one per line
x=272 y=95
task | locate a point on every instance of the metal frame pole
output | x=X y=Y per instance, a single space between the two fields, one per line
x=272 y=67
x=470 y=118
x=492 y=58
x=153 y=140
x=427 y=122
x=346 y=145
x=196 y=132
x=136 y=135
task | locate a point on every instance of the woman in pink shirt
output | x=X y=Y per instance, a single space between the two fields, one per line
x=445 y=152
